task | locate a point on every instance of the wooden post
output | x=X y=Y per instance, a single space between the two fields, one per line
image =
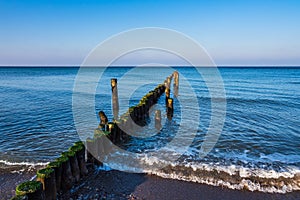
x=58 y=169
x=176 y=83
x=73 y=164
x=79 y=150
x=158 y=119
x=115 y=98
x=170 y=108
x=103 y=120
x=31 y=189
x=67 y=178
x=90 y=150
x=47 y=177
x=111 y=129
x=167 y=92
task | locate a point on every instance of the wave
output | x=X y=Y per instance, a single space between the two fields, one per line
x=233 y=176
x=8 y=163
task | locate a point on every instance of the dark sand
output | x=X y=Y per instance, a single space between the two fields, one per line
x=11 y=177
x=122 y=185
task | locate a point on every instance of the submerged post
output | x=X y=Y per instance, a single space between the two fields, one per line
x=158 y=119
x=170 y=108
x=115 y=98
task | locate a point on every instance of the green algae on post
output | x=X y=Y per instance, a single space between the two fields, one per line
x=62 y=159
x=57 y=166
x=47 y=177
x=28 y=187
x=45 y=173
x=54 y=164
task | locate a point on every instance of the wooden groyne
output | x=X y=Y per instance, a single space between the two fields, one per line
x=61 y=174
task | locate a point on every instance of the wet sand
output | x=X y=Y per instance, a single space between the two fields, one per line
x=11 y=177
x=122 y=185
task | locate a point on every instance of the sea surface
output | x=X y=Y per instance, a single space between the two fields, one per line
x=258 y=147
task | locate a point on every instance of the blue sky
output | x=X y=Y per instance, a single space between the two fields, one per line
x=233 y=32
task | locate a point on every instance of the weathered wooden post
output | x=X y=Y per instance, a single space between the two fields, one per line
x=99 y=150
x=115 y=98
x=58 y=170
x=73 y=163
x=90 y=150
x=67 y=178
x=47 y=177
x=79 y=149
x=103 y=120
x=167 y=92
x=31 y=189
x=176 y=83
x=111 y=129
x=158 y=119
x=170 y=109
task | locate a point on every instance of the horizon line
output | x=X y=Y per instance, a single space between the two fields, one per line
x=150 y=66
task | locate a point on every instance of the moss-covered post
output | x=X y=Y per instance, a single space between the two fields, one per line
x=67 y=178
x=73 y=163
x=79 y=150
x=170 y=108
x=58 y=169
x=115 y=98
x=32 y=189
x=47 y=177
x=158 y=119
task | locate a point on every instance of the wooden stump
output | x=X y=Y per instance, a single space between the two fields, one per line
x=90 y=150
x=115 y=98
x=67 y=179
x=74 y=164
x=170 y=109
x=47 y=177
x=58 y=170
x=79 y=150
x=103 y=120
x=32 y=189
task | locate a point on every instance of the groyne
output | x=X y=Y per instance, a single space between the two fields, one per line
x=61 y=174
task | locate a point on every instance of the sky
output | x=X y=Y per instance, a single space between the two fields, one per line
x=57 y=32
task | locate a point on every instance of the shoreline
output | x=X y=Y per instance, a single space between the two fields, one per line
x=11 y=176
x=115 y=184
x=123 y=185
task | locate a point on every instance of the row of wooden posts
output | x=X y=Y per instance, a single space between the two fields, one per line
x=61 y=174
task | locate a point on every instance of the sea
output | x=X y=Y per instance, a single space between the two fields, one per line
x=253 y=140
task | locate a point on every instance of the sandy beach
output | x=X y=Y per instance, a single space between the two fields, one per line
x=10 y=178
x=121 y=185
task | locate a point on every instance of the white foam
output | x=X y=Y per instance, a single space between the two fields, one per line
x=248 y=176
x=244 y=184
x=23 y=163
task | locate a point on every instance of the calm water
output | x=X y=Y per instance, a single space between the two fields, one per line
x=259 y=147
